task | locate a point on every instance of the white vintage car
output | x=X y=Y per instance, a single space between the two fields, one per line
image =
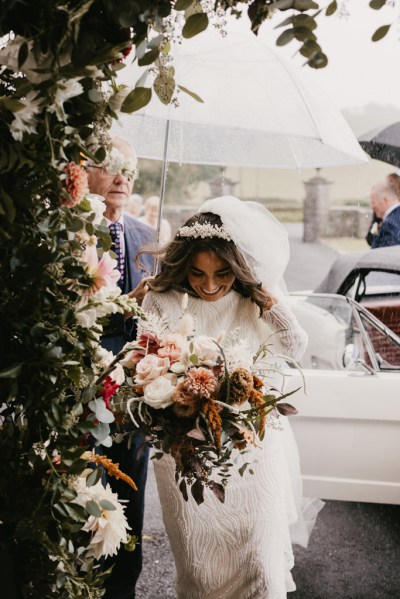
x=348 y=426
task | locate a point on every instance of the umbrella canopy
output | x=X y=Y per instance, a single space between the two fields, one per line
x=383 y=143
x=258 y=110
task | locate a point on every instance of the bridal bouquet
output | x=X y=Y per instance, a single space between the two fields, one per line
x=197 y=399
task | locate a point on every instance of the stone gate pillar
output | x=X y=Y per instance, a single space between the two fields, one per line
x=316 y=207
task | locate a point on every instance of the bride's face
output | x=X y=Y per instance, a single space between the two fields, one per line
x=210 y=276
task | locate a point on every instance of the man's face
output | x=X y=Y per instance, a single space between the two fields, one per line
x=377 y=203
x=115 y=189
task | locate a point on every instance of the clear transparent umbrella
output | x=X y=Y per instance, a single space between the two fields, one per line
x=258 y=110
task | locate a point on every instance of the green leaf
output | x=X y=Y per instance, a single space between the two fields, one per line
x=331 y=8
x=139 y=97
x=303 y=34
x=302 y=5
x=94 y=477
x=285 y=37
x=164 y=86
x=377 y=4
x=11 y=372
x=107 y=505
x=183 y=489
x=183 y=4
x=22 y=54
x=194 y=359
x=197 y=491
x=380 y=33
x=93 y=509
x=149 y=57
x=195 y=24
x=187 y=91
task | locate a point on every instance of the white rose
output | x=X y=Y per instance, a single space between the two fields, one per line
x=158 y=393
x=205 y=349
x=150 y=368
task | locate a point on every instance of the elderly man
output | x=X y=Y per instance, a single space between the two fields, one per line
x=114 y=182
x=385 y=202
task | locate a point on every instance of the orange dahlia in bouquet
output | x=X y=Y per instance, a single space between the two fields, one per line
x=198 y=399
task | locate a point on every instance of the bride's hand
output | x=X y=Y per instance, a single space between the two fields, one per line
x=271 y=300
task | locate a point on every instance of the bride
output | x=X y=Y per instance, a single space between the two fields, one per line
x=230 y=259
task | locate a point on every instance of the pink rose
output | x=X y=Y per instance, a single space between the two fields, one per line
x=171 y=347
x=206 y=350
x=150 y=368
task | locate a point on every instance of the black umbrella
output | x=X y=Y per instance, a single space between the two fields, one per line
x=383 y=143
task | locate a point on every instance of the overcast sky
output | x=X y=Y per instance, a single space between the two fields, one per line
x=359 y=71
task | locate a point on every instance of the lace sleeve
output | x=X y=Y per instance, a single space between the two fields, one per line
x=151 y=304
x=292 y=338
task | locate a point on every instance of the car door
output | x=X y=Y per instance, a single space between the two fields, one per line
x=348 y=425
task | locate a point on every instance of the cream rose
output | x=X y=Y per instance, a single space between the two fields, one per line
x=150 y=368
x=158 y=393
x=205 y=349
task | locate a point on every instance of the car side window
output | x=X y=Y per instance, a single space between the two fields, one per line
x=386 y=351
x=331 y=328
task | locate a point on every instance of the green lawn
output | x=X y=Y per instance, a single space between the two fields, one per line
x=346 y=245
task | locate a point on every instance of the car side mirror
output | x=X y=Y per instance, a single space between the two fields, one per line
x=350 y=356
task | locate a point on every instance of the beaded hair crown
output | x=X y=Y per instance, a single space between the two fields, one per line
x=203 y=231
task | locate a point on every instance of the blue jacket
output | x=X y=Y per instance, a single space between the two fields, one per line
x=136 y=236
x=389 y=231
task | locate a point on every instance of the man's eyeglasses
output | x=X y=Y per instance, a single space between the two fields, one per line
x=103 y=169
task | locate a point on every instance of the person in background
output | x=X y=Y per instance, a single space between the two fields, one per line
x=385 y=202
x=134 y=205
x=150 y=218
x=115 y=185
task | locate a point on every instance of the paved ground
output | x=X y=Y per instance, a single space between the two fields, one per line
x=354 y=551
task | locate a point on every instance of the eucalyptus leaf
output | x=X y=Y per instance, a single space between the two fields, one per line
x=94 y=477
x=285 y=37
x=149 y=57
x=377 y=4
x=107 y=505
x=138 y=98
x=194 y=25
x=93 y=509
x=332 y=8
x=192 y=94
x=380 y=33
x=183 y=4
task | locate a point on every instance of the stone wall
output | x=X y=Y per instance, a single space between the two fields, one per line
x=347 y=221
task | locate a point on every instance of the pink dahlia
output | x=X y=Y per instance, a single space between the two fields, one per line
x=200 y=382
x=76 y=184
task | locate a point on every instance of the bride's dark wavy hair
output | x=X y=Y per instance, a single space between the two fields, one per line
x=177 y=257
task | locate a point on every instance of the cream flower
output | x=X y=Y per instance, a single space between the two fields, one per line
x=66 y=89
x=101 y=361
x=108 y=530
x=205 y=349
x=25 y=116
x=158 y=393
x=149 y=368
x=97 y=206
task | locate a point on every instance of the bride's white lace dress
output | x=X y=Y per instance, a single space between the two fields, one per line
x=240 y=549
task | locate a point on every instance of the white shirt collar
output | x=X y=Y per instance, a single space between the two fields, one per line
x=120 y=220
